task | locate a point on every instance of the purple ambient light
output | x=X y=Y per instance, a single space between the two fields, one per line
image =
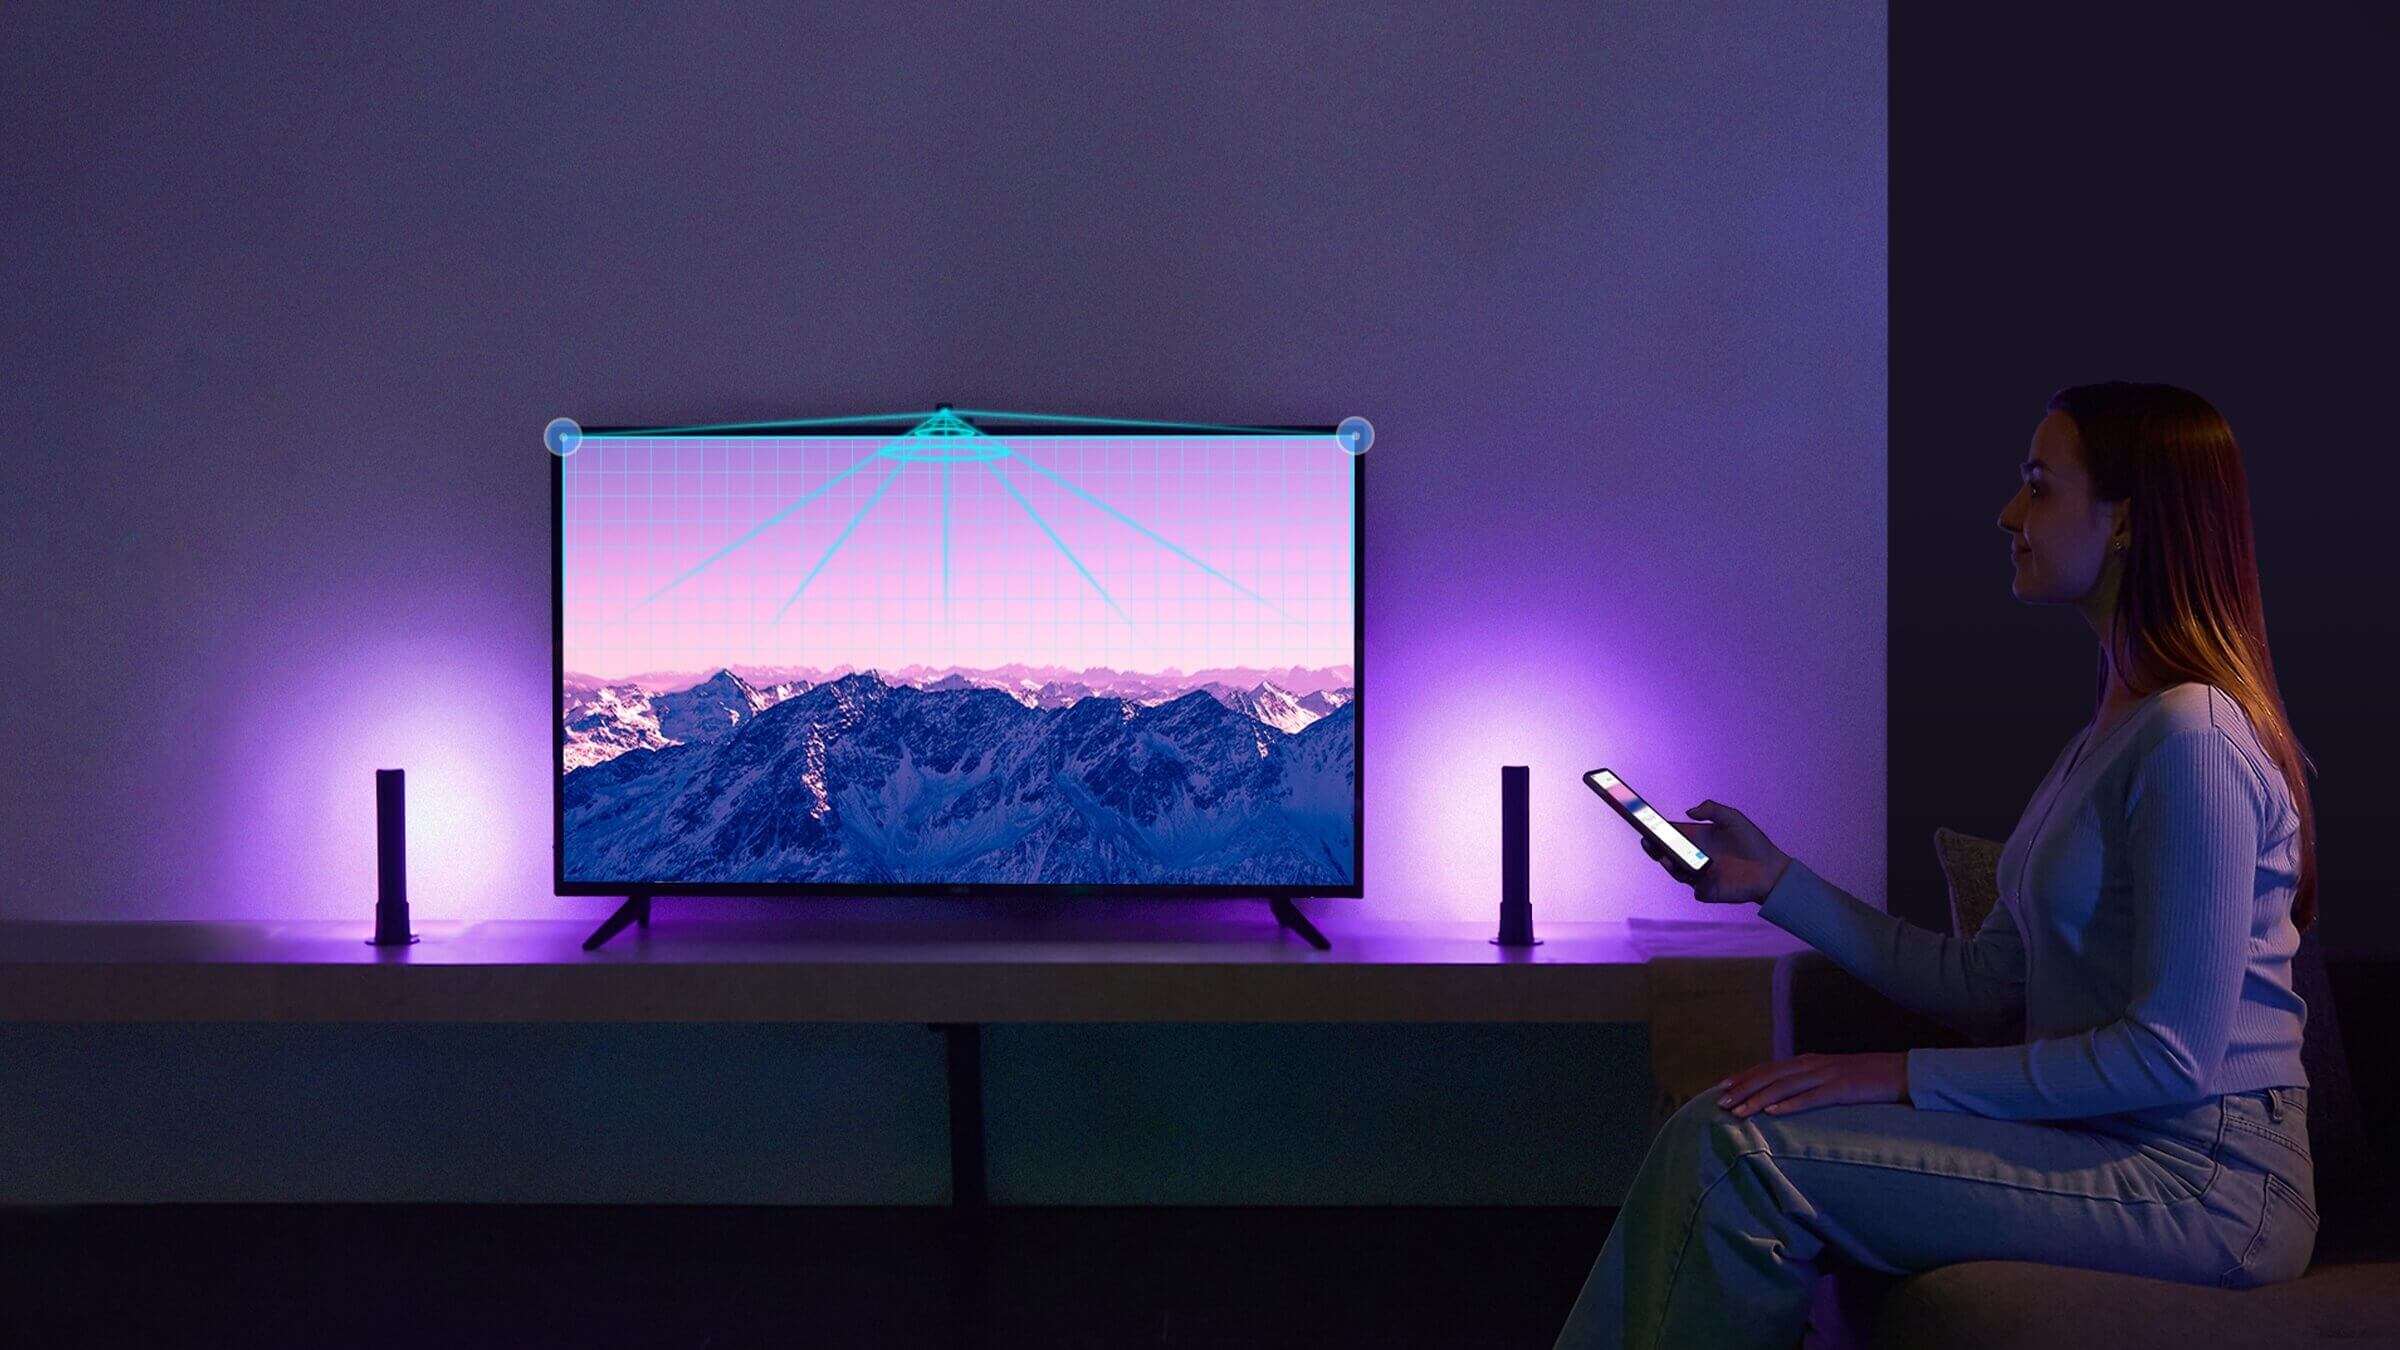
x=295 y=837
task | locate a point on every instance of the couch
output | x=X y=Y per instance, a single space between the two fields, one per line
x=2350 y=1294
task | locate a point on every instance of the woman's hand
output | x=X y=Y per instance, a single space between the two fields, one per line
x=1796 y=1084
x=1743 y=864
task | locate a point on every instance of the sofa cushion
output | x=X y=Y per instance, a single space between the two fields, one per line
x=1971 y=865
x=1988 y=1305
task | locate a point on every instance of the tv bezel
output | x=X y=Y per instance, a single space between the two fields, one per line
x=1352 y=890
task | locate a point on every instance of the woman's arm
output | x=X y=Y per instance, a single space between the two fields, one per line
x=2195 y=808
x=1975 y=984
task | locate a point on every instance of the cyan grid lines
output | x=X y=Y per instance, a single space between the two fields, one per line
x=1136 y=553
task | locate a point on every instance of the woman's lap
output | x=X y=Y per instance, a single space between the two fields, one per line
x=1898 y=1189
x=1731 y=1220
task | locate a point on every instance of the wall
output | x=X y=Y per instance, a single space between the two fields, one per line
x=299 y=291
x=296 y=290
x=2086 y=194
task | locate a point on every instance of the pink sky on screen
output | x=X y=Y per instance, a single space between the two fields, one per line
x=1271 y=513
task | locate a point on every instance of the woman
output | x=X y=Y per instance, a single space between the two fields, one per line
x=2149 y=1119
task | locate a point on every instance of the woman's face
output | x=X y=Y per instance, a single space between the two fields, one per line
x=2059 y=534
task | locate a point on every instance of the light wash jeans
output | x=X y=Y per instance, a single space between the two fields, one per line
x=1731 y=1219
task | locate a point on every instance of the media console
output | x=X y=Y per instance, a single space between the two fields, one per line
x=1708 y=1015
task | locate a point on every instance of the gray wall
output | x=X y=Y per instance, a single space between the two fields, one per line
x=294 y=290
x=298 y=291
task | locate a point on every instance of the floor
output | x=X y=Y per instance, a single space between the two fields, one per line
x=706 y=1278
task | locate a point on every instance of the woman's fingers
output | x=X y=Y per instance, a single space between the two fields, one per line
x=1748 y=1080
x=1816 y=1096
x=1771 y=1096
x=1673 y=865
x=1753 y=1088
x=1715 y=810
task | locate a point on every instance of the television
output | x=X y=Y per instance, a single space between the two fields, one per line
x=958 y=654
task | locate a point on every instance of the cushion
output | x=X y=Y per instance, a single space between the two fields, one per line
x=2338 y=1142
x=1972 y=867
x=2002 y=1305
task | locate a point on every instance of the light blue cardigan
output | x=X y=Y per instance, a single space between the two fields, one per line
x=2143 y=930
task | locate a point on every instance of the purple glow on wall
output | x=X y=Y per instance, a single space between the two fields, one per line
x=294 y=811
x=1560 y=696
x=1502 y=709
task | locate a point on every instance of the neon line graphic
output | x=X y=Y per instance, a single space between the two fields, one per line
x=1267 y=432
x=844 y=536
x=755 y=532
x=946 y=438
x=1148 y=531
x=1062 y=544
x=945 y=409
x=949 y=438
x=644 y=432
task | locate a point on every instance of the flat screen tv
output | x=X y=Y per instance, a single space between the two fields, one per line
x=951 y=655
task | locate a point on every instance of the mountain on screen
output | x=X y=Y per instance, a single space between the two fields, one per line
x=605 y=718
x=856 y=779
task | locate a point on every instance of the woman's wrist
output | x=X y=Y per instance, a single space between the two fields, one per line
x=1780 y=869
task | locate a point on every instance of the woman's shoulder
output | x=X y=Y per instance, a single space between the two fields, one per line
x=2196 y=707
x=2195 y=711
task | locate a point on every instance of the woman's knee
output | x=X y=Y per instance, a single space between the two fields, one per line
x=1698 y=1111
x=1704 y=1139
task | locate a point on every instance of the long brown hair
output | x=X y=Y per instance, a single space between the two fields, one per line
x=2188 y=608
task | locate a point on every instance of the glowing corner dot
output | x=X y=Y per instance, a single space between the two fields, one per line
x=562 y=436
x=1355 y=435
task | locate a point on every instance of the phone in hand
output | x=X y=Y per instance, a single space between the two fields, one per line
x=1646 y=822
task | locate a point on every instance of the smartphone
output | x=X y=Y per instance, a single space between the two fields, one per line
x=1638 y=814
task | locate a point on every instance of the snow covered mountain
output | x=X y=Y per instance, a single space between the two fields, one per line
x=606 y=720
x=1273 y=705
x=1323 y=701
x=859 y=780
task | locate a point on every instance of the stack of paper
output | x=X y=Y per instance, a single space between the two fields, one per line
x=1751 y=936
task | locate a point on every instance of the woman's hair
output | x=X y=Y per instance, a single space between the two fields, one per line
x=2188 y=608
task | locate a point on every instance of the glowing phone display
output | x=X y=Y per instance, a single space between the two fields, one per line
x=1638 y=813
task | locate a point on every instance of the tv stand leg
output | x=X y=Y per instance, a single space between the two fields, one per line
x=967 y=1236
x=636 y=909
x=1288 y=915
x=965 y=1046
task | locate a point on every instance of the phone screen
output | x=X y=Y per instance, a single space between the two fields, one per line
x=1651 y=822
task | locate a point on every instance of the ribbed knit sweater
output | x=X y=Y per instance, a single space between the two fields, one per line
x=2143 y=930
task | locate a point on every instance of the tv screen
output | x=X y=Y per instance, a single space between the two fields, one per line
x=952 y=656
